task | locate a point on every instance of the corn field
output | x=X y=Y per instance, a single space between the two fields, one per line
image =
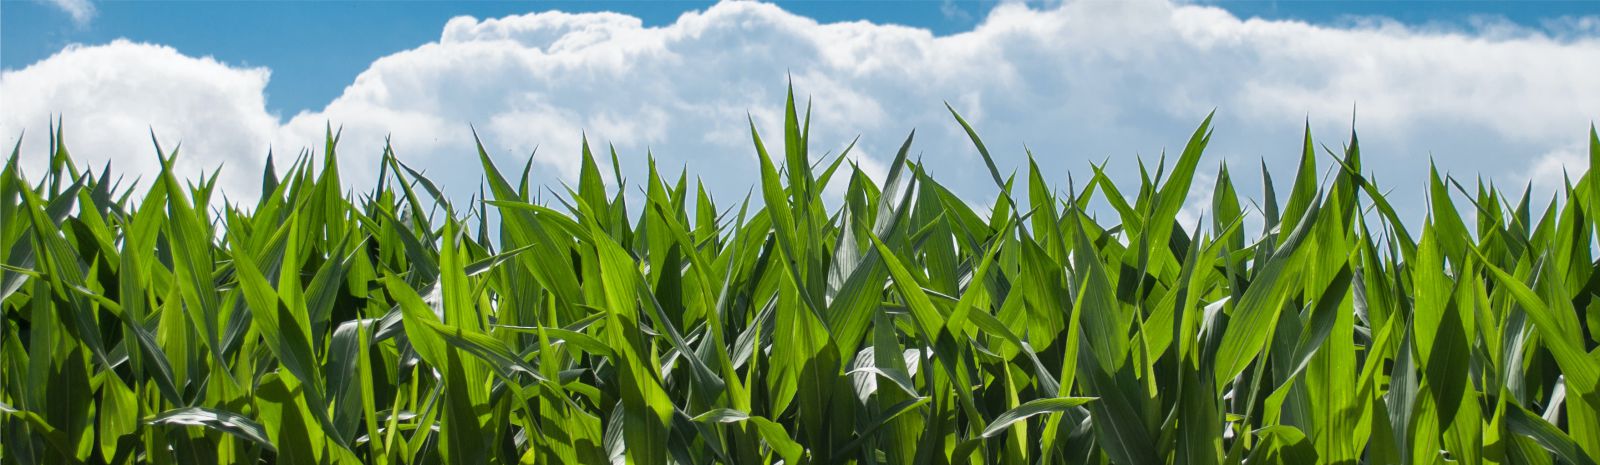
x=161 y=324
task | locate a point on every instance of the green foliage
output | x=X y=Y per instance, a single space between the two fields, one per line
x=900 y=326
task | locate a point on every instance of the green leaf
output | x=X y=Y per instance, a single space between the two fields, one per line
x=1030 y=409
x=220 y=420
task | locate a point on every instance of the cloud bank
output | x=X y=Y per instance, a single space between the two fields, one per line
x=1078 y=83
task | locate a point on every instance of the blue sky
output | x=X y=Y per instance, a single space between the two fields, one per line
x=315 y=47
x=1501 y=90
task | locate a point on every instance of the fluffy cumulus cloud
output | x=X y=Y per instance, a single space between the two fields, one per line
x=111 y=98
x=1077 y=83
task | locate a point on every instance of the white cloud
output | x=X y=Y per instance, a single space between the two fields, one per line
x=1573 y=26
x=1083 y=81
x=1551 y=171
x=953 y=12
x=81 y=10
x=112 y=97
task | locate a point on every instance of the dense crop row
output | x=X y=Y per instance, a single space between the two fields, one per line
x=899 y=327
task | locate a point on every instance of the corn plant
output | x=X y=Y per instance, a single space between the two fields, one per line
x=165 y=324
